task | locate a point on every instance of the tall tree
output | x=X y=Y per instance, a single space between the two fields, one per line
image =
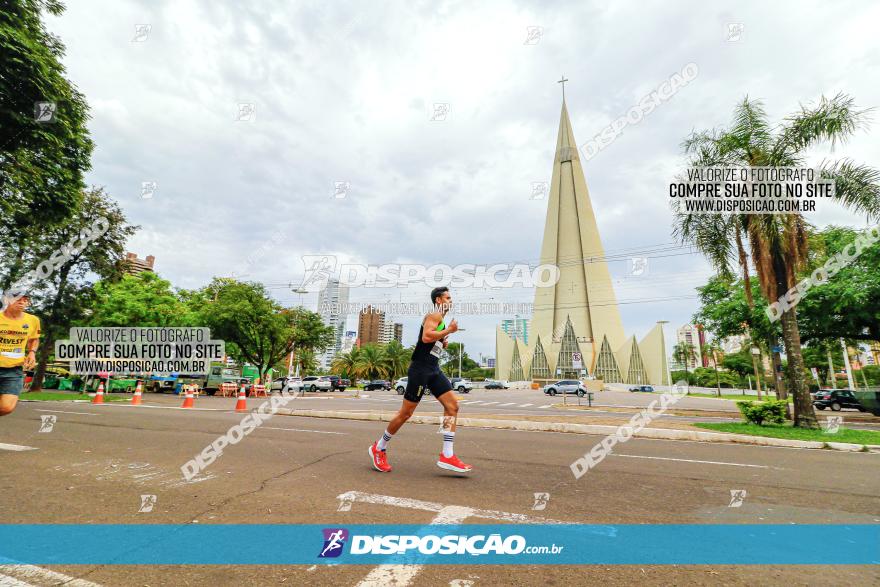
x=848 y=304
x=262 y=331
x=66 y=295
x=138 y=300
x=777 y=242
x=44 y=142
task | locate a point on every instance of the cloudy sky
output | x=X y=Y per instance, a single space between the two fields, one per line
x=345 y=92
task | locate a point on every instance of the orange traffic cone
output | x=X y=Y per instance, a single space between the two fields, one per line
x=189 y=400
x=241 y=404
x=138 y=392
x=99 y=395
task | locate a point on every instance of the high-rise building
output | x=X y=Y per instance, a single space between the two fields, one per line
x=348 y=341
x=132 y=265
x=690 y=334
x=391 y=331
x=517 y=328
x=575 y=329
x=371 y=325
x=332 y=300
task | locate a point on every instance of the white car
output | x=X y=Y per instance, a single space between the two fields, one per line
x=400 y=385
x=316 y=383
x=461 y=385
x=288 y=384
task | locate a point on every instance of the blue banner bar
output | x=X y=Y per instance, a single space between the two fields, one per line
x=465 y=544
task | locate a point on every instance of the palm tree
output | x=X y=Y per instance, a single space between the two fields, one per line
x=683 y=352
x=777 y=242
x=345 y=364
x=306 y=361
x=370 y=363
x=713 y=349
x=396 y=358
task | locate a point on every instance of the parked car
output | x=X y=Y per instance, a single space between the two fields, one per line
x=565 y=386
x=316 y=383
x=337 y=383
x=461 y=385
x=400 y=385
x=288 y=384
x=645 y=388
x=497 y=385
x=377 y=384
x=837 y=399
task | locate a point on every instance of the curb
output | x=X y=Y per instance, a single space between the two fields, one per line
x=600 y=429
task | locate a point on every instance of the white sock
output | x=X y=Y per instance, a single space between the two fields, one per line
x=383 y=442
x=448 y=439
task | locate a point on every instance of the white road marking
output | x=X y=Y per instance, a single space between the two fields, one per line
x=403 y=575
x=42 y=576
x=510 y=404
x=303 y=430
x=545 y=407
x=525 y=405
x=62 y=412
x=126 y=405
x=691 y=461
x=473 y=403
x=489 y=403
x=16 y=447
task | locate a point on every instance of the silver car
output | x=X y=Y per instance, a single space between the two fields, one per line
x=566 y=386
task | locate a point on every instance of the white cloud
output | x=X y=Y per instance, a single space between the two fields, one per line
x=344 y=91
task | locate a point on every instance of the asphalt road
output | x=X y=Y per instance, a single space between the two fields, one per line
x=97 y=461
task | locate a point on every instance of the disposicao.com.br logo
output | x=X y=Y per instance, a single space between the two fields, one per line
x=430 y=544
x=320 y=269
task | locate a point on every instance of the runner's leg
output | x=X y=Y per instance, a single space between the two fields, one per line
x=8 y=402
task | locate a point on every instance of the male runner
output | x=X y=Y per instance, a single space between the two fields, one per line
x=19 y=337
x=424 y=374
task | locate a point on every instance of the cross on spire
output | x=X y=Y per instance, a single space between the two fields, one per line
x=562 y=81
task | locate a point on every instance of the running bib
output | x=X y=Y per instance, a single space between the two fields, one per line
x=437 y=351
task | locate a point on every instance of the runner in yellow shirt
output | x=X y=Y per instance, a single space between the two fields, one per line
x=19 y=337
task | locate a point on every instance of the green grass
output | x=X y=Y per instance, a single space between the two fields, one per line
x=737 y=396
x=60 y=396
x=787 y=431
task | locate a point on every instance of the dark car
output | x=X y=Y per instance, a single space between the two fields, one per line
x=338 y=384
x=645 y=388
x=377 y=384
x=496 y=385
x=837 y=399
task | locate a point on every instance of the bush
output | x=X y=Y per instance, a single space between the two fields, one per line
x=772 y=411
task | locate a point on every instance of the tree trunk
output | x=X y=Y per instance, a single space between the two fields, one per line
x=43 y=352
x=717 y=379
x=804 y=415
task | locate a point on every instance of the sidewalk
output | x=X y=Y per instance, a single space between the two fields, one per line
x=539 y=424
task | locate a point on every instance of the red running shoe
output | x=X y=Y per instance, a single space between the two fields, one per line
x=453 y=463
x=380 y=459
